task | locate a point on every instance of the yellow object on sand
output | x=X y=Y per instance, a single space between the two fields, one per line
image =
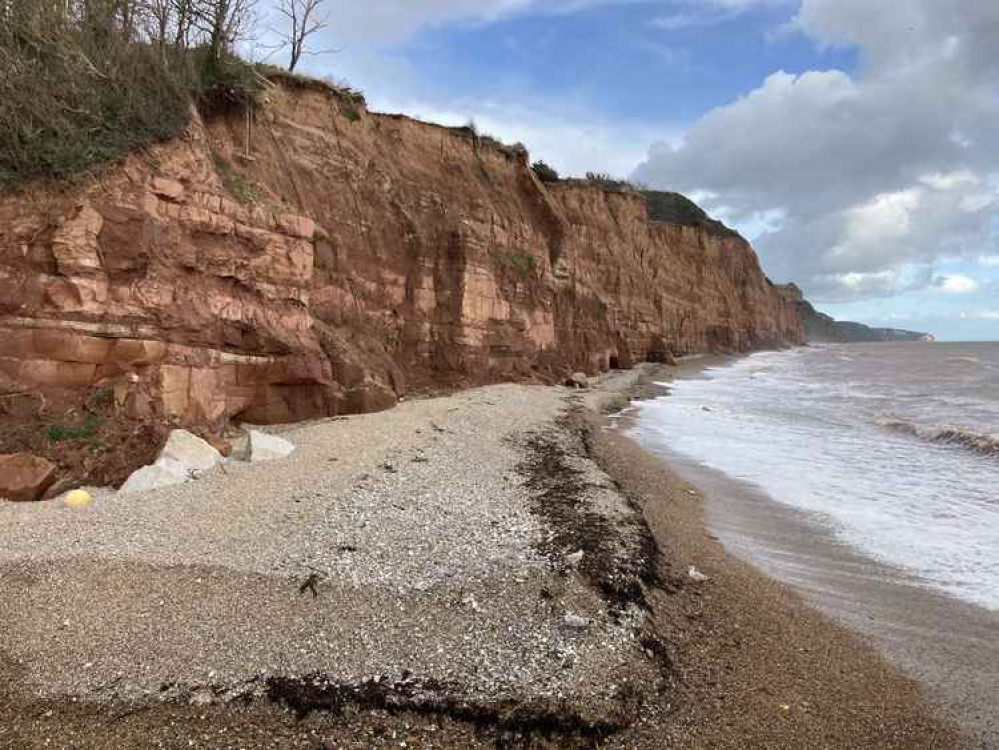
x=78 y=499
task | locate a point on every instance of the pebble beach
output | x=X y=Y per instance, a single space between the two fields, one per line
x=490 y=568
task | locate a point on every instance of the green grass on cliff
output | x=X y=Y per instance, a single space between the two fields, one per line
x=520 y=262
x=75 y=97
x=238 y=186
x=673 y=208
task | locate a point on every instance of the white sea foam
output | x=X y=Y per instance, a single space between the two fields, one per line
x=894 y=447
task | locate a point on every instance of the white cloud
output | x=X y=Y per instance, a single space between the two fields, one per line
x=989 y=260
x=981 y=315
x=687 y=13
x=956 y=284
x=875 y=176
x=854 y=280
x=950 y=181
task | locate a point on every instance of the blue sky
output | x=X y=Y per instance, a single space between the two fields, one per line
x=854 y=142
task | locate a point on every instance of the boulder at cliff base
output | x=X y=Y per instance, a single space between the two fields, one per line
x=24 y=478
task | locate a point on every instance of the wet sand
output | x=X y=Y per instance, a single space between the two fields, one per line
x=950 y=646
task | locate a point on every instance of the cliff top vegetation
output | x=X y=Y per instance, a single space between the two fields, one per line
x=87 y=82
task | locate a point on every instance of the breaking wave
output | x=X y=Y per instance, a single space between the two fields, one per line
x=985 y=445
x=966 y=360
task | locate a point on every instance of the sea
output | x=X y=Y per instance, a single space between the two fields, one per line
x=892 y=449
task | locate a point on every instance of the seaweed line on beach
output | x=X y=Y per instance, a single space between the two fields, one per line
x=621 y=560
x=508 y=723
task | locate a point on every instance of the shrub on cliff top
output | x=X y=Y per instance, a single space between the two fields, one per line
x=674 y=208
x=67 y=108
x=608 y=182
x=328 y=85
x=545 y=172
x=81 y=86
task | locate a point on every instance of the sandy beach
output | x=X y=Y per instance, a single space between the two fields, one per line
x=414 y=578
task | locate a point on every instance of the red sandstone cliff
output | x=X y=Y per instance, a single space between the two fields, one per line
x=374 y=254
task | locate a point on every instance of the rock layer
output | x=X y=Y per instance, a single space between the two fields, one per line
x=378 y=254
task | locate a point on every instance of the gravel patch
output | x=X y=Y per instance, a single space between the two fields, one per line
x=396 y=546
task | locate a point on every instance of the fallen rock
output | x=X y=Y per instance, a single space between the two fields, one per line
x=182 y=459
x=578 y=380
x=190 y=452
x=24 y=478
x=264 y=447
x=151 y=477
x=662 y=352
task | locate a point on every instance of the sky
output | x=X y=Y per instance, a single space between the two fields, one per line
x=854 y=142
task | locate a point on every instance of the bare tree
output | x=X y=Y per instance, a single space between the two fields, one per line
x=183 y=12
x=157 y=16
x=223 y=22
x=305 y=18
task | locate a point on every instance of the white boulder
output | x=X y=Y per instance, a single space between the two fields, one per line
x=189 y=453
x=183 y=458
x=264 y=447
x=151 y=477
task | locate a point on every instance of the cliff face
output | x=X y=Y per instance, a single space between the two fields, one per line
x=372 y=254
x=822 y=328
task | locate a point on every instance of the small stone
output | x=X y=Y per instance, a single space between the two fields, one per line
x=695 y=575
x=576 y=622
x=240 y=449
x=574 y=559
x=202 y=698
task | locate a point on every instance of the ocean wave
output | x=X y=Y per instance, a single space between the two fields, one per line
x=983 y=444
x=965 y=360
